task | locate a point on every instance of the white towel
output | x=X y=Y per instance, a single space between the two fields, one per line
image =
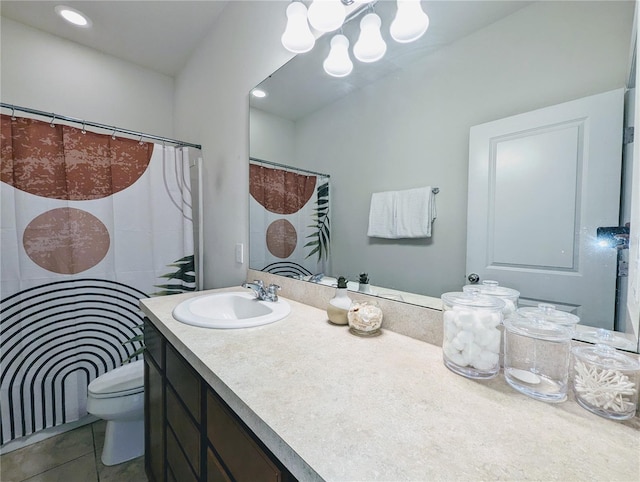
x=382 y=213
x=402 y=214
x=415 y=213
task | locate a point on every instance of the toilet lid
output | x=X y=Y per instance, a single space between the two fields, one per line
x=125 y=380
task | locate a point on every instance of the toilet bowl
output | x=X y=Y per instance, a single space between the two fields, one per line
x=118 y=397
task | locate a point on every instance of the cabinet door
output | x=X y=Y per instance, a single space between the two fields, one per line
x=244 y=458
x=177 y=461
x=154 y=421
x=215 y=471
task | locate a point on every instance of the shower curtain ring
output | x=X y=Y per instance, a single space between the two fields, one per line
x=84 y=131
x=113 y=136
x=140 y=141
x=52 y=120
x=13 y=113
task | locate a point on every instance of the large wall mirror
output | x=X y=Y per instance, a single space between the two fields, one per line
x=404 y=122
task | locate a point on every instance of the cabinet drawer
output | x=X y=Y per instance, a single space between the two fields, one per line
x=241 y=454
x=153 y=343
x=187 y=433
x=184 y=380
x=215 y=471
x=177 y=463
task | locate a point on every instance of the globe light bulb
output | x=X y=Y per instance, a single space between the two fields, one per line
x=327 y=15
x=410 y=22
x=338 y=63
x=370 y=46
x=297 y=36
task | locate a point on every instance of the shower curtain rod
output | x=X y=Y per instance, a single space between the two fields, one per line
x=284 y=166
x=84 y=123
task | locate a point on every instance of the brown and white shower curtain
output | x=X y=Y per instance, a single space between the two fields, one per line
x=289 y=221
x=90 y=224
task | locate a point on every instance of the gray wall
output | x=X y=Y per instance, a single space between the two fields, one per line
x=212 y=107
x=48 y=73
x=271 y=138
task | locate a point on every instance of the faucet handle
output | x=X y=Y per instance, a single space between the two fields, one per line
x=273 y=291
x=259 y=282
x=274 y=288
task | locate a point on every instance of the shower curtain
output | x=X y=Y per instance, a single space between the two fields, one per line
x=90 y=224
x=289 y=221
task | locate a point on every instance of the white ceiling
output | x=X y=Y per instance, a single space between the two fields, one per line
x=159 y=35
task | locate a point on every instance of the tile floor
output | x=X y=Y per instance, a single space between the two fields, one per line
x=69 y=457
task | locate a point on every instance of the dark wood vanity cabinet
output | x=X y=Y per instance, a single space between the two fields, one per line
x=191 y=434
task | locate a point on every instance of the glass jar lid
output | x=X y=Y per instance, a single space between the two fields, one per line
x=473 y=299
x=604 y=355
x=607 y=357
x=547 y=312
x=538 y=328
x=602 y=335
x=493 y=288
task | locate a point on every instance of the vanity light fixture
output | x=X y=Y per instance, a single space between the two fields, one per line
x=327 y=15
x=297 y=37
x=370 y=46
x=409 y=24
x=338 y=63
x=73 y=16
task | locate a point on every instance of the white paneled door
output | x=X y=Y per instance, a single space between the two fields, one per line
x=540 y=184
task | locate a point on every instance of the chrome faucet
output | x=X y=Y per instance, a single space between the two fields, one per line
x=316 y=278
x=262 y=294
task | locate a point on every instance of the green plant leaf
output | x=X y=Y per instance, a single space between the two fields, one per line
x=185 y=279
x=134 y=354
x=320 y=237
x=137 y=338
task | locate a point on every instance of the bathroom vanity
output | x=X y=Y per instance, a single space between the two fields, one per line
x=191 y=433
x=303 y=399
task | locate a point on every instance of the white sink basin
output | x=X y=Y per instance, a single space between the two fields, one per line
x=233 y=309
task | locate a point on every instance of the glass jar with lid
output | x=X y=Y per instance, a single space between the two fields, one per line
x=537 y=348
x=471 y=342
x=605 y=381
x=493 y=288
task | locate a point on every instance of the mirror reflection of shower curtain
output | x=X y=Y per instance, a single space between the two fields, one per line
x=90 y=224
x=289 y=215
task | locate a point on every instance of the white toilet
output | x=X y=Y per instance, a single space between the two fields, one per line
x=118 y=397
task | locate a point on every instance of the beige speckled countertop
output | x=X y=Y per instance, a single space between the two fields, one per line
x=333 y=406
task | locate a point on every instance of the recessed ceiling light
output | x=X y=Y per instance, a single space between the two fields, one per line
x=73 y=16
x=259 y=93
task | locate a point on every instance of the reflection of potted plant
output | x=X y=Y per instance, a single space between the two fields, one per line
x=363 y=285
